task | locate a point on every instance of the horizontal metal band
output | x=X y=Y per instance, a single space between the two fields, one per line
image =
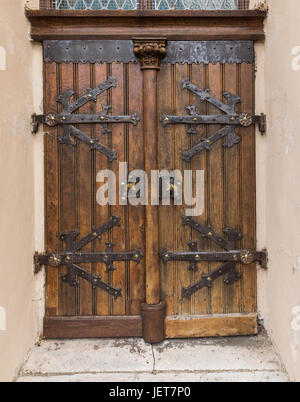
x=89 y=51
x=244 y=256
x=196 y=52
x=121 y=51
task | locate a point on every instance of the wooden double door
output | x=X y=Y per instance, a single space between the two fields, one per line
x=133 y=270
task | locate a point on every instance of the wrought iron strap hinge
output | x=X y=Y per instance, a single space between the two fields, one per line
x=67 y=119
x=230 y=119
x=71 y=257
x=230 y=257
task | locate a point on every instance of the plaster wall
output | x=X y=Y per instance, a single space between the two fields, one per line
x=21 y=189
x=278 y=178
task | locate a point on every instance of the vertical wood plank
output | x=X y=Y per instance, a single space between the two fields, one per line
x=84 y=186
x=183 y=234
x=199 y=301
x=216 y=183
x=248 y=195
x=136 y=218
x=67 y=197
x=166 y=160
x=101 y=213
x=119 y=144
x=51 y=189
x=151 y=211
x=232 y=293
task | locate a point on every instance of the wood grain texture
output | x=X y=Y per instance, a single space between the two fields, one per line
x=136 y=214
x=92 y=327
x=103 y=213
x=216 y=185
x=119 y=140
x=232 y=294
x=84 y=180
x=166 y=160
x=68 y=218
x=51 y=189
x=200 y=300
x=248 y=189
x=181 y=141
x=173 y=25
x=227 y=185
x=211 y=326
x=70 y=188
x=151 y=211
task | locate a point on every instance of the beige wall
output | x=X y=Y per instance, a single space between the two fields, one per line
x=20 y=168
x=278 y=176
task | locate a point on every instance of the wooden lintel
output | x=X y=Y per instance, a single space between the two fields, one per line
x=172 y=25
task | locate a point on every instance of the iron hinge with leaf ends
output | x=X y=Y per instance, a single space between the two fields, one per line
x=67 y=119
x=72 y=256
x=230 y=120
x=230 y=257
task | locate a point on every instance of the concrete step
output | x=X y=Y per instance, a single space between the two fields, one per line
x=240 y=359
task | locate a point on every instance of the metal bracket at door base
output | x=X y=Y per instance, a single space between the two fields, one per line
x=230 y=257
x=71 y=257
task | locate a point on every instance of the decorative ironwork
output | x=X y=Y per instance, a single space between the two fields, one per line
x=209 y=52
x=72 y=256
x=230 y=120
x=95 y=4
x=230 y=257
x=121 y=51
x=89 y=51
x=150 y=52
x=195 y=5
x=66 y=119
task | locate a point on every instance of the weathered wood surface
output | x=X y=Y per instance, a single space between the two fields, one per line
x=229 y=189
x=173 y=25
x=70 y=191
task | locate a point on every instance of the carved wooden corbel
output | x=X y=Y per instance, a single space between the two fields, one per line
x=150 y=51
